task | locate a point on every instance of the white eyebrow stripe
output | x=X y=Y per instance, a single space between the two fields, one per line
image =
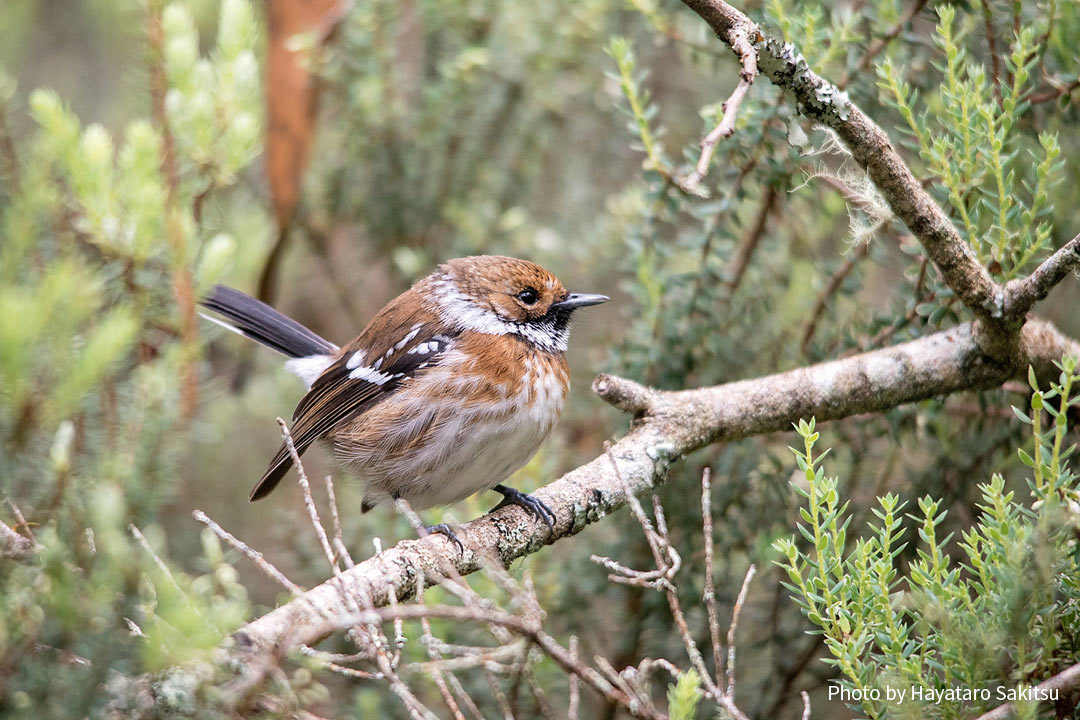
x=372 y=375
x=458 y=311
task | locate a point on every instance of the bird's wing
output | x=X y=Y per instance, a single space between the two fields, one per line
x=369 y=370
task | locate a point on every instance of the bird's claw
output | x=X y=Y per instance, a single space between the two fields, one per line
x=535 y=507
x=444 y=529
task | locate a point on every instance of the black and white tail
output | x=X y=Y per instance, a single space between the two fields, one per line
x=256 y=320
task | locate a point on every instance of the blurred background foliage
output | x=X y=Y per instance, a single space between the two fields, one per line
x=555 y=131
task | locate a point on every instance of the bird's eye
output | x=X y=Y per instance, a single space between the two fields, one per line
x=528 y=296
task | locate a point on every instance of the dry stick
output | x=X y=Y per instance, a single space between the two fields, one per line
x=250 y=553
x=464 y=696
x=374 y=638
x=575 y=684
x=518 y=625
x=339 y=541
x=1054 y=93
x=499 y=695
x=157 y=560
x=309 y=500
x=1064 y=680
x=735 y=612
x=1022 y=294
x=428 y=640
x=710 y=587
x=655 y=545
x=743 y=45
x=991 y=42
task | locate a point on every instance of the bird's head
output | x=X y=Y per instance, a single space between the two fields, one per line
x=503 y=295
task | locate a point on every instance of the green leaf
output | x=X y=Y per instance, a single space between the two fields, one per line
x=683 y=697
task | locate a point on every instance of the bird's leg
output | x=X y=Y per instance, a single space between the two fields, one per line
x=444 y=529
x=534 y=507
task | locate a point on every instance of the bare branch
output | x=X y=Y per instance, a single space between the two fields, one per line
x=830 y=289
x=309 y=500
x=1021 y=295
x=740 y=600
x=709 y=593
x=13 y=545
x=250 y=553
x=743 y=45
x=750 y=239
x=1064 y=680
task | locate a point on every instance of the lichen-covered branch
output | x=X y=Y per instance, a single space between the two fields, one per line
x=13 y=545
x=822 y=102
x=1021 y=295
x=667 y=426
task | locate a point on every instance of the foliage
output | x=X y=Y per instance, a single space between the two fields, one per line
x=90 y=349
x=684 y=695
x=1000 y=618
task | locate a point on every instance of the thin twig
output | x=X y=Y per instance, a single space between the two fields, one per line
x=428 y=640
x=743 y=45
x=339 y=541
x=157 y=559
x=750 y=240
x=878 y=44
x=735 y=612
x=575 y=684
x=250 y=553
x=991 y=43
x=1021 y=295
x=309 y=500
x=710 y=586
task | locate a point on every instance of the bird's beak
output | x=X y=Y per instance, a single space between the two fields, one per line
x=579 y=300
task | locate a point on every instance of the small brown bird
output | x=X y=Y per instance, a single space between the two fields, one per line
x=450 y=388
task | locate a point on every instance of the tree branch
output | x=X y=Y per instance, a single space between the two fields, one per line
x=1064 y=680
x=15 y=546
x=743 y=45
x=1021 y=295
x=669 y=426
x=821 y=101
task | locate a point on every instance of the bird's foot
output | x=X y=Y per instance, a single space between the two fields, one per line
x=533 y=506
x=444 y=529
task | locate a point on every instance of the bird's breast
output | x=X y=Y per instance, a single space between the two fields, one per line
x=458 y=428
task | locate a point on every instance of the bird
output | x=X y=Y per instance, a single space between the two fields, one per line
x=448 y=390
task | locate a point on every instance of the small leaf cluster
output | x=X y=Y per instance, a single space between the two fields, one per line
x=994 y=180
x=994 y=608
x=97 y=244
